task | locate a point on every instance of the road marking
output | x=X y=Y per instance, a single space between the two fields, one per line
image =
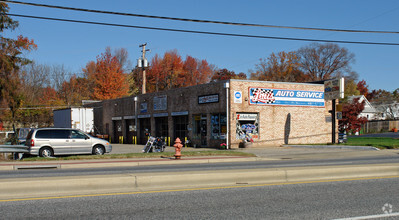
x=194 y=189
x=371 y=216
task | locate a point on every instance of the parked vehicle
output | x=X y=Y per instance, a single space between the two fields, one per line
x=77 y=118
x=154 y=144
x=22 y=134
x=49 y=142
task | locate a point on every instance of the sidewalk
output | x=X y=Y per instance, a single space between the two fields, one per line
x=265 y=153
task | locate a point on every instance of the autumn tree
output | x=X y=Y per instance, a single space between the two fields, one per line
x=11 y=51
x=155 y=75
x=171 y=71
x=363 y=88
x=350 y=88
x=324 y=61
x=281 y=67
x=109 y=79
x=241 y=76
x=122 y=56
x=195 y=72
x=75 y=90
x=172 y=68
x=223 y=74
x=351 y=122
x=34 y=77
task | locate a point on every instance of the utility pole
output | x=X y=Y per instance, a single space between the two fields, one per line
x=143 y=63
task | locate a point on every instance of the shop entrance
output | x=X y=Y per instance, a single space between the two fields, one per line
x=247 y=126
x=130 y=131
x=204 y=131
x=161 y=127
x=117 y=130
x=180 y=127
x=145 y=128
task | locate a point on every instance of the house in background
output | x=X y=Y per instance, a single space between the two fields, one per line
x=389 y=111
x=369 y=111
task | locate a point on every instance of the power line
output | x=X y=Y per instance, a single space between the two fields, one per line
x=206 y=32
x=200 y=20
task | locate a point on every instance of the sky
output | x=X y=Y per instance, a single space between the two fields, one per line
x=74 y=45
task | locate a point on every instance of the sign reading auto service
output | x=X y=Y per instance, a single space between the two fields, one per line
x=267 y=96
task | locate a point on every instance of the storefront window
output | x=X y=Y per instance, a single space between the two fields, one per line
x=247 y=126
x=197 y=126
x=218 y=126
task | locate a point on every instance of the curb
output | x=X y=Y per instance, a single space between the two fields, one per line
x=79 y=185
x=123 y=162
x=334 y=147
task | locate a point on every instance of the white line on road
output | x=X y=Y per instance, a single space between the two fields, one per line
x=371 y=216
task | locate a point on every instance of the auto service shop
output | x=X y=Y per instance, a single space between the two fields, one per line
x=271 y=113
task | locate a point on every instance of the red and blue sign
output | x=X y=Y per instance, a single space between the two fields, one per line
x=268 y=96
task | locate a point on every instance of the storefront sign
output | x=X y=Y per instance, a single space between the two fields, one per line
x=116 y=118
x=179 y=113
x=334 y=89
x=246 y=117
x=143 y=107
x=208 y=99
x=160 y=103
x=160 y=115
x=237 y=97
x=129 y=117
x=144 y=116
x=268 y=96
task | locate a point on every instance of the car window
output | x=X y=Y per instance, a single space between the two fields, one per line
x=56 y=134
x=43 y=134
x=78 y=135
x=62 y=134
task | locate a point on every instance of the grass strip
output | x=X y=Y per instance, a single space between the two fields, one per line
x=145 y=155
x=379 y=142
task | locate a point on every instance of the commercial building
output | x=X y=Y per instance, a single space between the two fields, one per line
x=271 y=113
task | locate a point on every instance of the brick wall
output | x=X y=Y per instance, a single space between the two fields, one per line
x=277 y=124
x=283 y=124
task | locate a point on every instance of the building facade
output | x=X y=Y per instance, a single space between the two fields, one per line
x=269 y=113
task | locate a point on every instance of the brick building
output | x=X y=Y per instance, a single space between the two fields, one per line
x=272 y=113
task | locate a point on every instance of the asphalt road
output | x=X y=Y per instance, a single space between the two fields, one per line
x=386 y=134
x=328 y=200
x=25 y=173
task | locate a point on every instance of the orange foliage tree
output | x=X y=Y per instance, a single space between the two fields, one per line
x=282 y=67
x=75 y=90
x=171 y=71
x=108 y=77
x=196 y=71
x=225 y=74
x=11 y=51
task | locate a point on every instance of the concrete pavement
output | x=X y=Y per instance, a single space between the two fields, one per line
x=20 y=188
x=17 y=188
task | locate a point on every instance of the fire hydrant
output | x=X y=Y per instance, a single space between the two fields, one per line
x=178 y=147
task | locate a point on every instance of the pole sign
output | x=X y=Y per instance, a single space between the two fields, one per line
x=334 y=89
x=269 y=96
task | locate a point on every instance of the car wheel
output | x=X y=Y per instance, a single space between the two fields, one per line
x=46 y=152
x=98 y=150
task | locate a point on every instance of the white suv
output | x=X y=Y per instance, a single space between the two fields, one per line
x=48 y=142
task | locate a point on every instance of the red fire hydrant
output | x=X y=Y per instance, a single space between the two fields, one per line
x=178 y=147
